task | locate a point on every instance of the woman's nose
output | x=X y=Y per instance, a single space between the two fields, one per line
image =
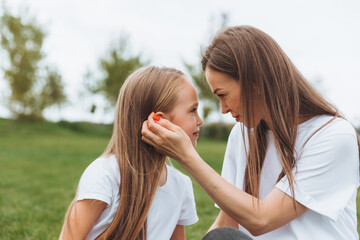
x=224 y=108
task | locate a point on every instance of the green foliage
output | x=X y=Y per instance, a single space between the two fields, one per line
x=216 y=131
x=53 y=90
x=116 y=66
x=204 y=91
x=197 y=74
x=31 y=93
x=87 y=128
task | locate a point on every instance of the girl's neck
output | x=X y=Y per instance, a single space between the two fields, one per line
x=163 y=176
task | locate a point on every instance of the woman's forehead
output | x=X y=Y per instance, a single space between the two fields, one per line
x=218 y=80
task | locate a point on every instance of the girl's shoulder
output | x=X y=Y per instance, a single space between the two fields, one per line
x=104 y=162
x=103 y=167
x=177 y=177
x=100 y=180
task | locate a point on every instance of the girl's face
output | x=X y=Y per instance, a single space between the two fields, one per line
x=185 y=113
x=227 y=89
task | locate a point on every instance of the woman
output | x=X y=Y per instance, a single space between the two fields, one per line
x=291 y=167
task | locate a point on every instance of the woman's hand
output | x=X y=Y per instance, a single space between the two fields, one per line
x=167 y=138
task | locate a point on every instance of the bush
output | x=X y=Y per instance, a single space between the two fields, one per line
x=216 y=130
x=87 y=128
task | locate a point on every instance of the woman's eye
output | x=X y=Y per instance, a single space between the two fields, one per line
x=221 y=95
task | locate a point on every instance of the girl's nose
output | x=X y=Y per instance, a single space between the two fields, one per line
x=199 y=120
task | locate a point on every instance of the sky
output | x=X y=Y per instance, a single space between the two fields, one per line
x=321 y=37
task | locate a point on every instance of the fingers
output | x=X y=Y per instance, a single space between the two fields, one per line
x=147 y=135
x=160 y=126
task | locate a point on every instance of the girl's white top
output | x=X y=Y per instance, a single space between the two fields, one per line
x=326 y=179
x=173 y=203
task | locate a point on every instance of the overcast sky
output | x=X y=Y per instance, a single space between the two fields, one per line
x=321 y=37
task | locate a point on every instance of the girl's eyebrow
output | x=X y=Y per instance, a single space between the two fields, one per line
x=195 y=104
x=217 y=89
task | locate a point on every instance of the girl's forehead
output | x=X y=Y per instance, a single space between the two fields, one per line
x=187 y=93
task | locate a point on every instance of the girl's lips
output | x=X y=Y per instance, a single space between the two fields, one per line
x=196 y=134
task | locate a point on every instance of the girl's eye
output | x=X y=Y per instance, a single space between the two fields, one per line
x=221 y=95
x=194 y=110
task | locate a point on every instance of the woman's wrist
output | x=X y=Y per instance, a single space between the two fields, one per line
x=190 y=156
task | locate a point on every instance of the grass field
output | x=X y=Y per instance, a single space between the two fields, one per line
x=40 y=166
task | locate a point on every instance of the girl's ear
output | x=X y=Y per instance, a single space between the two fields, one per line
x=162 y=115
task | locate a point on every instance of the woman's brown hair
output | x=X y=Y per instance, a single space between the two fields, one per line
x=254 y=59
x=146 y=90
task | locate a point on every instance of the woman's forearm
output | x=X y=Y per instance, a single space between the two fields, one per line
x=239 y=205
x=257 y=216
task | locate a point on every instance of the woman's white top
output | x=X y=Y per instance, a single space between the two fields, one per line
x=173 y=203
x=326 y=179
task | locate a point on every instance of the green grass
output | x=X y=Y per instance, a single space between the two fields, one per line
x=213 y=153
x=40 y=166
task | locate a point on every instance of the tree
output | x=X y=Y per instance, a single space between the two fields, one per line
x=205 y=94
x=116 y=66
x=31 y=91
x=197 y=74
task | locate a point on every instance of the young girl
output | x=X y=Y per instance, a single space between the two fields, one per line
x=291 y=167
x=129 y=192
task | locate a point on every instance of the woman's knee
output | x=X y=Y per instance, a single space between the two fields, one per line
x=226 y=233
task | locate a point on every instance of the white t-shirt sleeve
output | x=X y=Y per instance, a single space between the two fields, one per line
x=97 y=182
x=229 y=168
x=188 y=213
x=327 y=172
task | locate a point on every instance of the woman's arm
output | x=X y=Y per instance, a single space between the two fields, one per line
x=179 y=233
x=223 y=220
x=81 y=219
x=257 y=216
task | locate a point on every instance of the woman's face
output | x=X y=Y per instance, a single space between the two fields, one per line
x=227 y=89
x=185 y=113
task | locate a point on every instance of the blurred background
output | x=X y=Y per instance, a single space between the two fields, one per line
x=83 y=45
x=62 y=63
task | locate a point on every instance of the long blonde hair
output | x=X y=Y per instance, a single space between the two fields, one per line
x=146 y=90
x=254 y=59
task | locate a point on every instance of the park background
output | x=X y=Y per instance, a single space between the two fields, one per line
x=63 y=62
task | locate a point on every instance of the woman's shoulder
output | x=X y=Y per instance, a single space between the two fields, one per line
x=237 y=132
x=328 y=125
x=326 y=132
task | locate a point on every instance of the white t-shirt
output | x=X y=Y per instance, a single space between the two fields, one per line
x=173 y=203
x=326 y=179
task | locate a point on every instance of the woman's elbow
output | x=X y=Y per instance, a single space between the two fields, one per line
x=257 y=227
